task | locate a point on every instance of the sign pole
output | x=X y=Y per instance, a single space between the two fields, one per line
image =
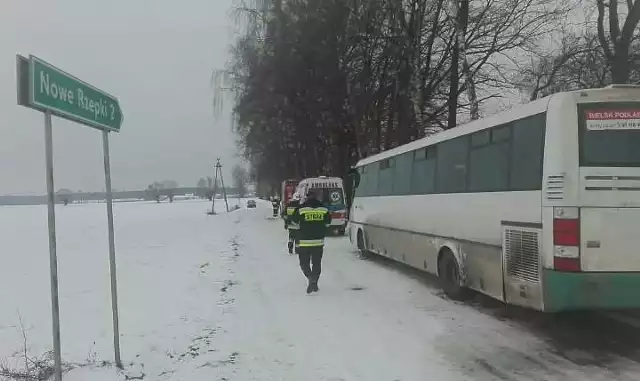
x=53 y=256
x=112 y=249
x=43 y=87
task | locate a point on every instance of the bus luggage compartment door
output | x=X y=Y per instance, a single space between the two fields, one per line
x=610 y=239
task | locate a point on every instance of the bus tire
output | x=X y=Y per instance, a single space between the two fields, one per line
x=363 y=250
x=449 y=275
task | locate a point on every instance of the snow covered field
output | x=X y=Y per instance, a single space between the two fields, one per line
x=217 y=298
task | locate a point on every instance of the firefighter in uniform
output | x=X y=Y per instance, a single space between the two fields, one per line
x=275 y=204
x=313 y=219
x=291 y=226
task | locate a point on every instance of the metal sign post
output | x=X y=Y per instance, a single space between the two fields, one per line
x=43 y=87
x=53 y=256
x=112 y=249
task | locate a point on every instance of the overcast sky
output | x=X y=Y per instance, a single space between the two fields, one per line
x=156 y=56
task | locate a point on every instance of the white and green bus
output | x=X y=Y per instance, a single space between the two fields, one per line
x=538 y=206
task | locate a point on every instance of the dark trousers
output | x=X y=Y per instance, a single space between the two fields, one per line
x=310 y=261
x=292 y=239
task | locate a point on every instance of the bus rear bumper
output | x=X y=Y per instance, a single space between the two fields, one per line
x=565 y=291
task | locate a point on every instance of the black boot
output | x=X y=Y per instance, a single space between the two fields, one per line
x=310 y=287
x=290 y=245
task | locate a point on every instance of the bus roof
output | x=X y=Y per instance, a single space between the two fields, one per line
x=531 y=108
x=517 y=112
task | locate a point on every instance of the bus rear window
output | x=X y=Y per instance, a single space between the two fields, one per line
x=609 y=134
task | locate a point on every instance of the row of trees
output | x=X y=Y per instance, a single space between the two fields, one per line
x=205 y=187
x=318 y=84
x=157 y=189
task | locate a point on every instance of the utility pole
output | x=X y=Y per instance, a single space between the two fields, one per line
x=218 y=172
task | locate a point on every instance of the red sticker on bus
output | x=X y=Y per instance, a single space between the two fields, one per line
x=613 y=114
x=603 y=120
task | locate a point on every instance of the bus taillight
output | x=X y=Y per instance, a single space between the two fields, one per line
x=566 y=239
x=566 y=232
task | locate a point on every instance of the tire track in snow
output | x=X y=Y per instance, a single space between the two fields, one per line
x=514 y=344
x=575 y=339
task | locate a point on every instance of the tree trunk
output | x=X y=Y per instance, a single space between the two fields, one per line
x=620 y=65
x=474 y=105
x=616 y=45
x=462 y=21
x=453 y=85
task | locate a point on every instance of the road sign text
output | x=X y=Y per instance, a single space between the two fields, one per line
x=72 y=98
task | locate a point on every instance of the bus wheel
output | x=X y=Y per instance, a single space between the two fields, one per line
x=363 y=251
x=449 y=275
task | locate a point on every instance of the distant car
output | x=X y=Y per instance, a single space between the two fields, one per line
x=251 y=204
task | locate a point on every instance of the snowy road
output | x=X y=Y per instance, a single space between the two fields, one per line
x=217 y=298
x=375 y=321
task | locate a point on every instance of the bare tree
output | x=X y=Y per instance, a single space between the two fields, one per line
x=578 y=63
x=65 y=196
x=202 y=188
x=616 y=45
x=240 y=178
x=318 y=85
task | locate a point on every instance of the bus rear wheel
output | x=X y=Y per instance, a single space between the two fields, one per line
x=449 y=275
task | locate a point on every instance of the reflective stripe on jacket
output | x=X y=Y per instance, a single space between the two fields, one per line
x=313 y=219
x=293 y=226
x=310 y=242
x=289 y=210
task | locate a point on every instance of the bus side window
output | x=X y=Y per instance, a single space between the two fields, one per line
x=373 y=173
x=361 y=189
x=423 y=170
x=489 y=160
x=527 y=153
x=402 y=174
x=451 y=176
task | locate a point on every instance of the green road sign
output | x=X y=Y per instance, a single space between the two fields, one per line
x=51 y=89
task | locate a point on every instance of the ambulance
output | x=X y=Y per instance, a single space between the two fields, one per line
x=330 y=191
